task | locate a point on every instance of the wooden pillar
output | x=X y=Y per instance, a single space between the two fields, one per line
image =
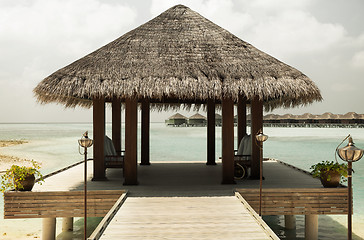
x=145 y=153
x=311 y=227
x=49 y=228
x=290 y=221
x=116 y=125
x=67 y=224
x=256 y=126
x=98 y=137
x=211 y=133
x=241 y=118
x=227 y=141
x=130 y=160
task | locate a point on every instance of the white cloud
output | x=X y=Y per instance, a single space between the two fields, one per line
x=358 y=60
x=43 y=33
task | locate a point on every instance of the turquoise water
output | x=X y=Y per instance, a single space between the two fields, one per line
x=56 y=146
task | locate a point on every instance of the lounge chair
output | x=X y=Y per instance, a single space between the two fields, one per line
x=112 y=159
x=242 y=158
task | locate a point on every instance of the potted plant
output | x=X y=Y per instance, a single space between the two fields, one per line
x=330 y=173
x=21 y=178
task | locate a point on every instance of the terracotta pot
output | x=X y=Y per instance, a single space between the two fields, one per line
x=335 y=178
x=27 y=183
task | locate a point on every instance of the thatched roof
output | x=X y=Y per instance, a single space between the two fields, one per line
x=178 y=57
x=177 y=116
x=198 y=116
x=350 y=115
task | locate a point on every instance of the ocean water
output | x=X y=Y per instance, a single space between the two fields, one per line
x=55 y=145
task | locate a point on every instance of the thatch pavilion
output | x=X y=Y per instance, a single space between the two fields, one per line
x=179 y=57
x=176 y=120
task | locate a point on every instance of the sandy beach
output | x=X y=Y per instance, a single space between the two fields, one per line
x=7 y=161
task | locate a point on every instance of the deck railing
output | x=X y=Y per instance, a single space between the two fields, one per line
x=298 y=201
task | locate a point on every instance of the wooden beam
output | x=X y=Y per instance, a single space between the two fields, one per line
x=116 y=125
x=227 y=141
x=145 y=155
x=98 y=137
x=241 y=118
x=256 y=126
x=130 y=162
x=211 y=149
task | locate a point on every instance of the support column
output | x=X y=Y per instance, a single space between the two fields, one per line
x=290 y=221
x=49 y=228
x=311 y=227
x=211 y=133
x=256 y=125
x=67 y=224
x=241 y=118
x=130 y=160
x=116 y=125
x=145 y=151
x=99 y=136
x=227 y=141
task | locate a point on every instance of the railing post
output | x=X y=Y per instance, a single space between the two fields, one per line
x=311 y=227
x=49 y=228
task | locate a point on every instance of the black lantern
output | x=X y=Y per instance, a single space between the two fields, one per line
x=260 y=137
x=350 y=154
x=85 y=142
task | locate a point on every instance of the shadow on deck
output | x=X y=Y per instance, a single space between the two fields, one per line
x=198 y=179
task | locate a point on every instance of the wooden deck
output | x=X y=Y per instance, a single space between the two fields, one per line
x=186 y=218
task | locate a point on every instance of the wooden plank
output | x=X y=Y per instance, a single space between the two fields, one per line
x=58 y=204
x=298 y=201
x=185 y=218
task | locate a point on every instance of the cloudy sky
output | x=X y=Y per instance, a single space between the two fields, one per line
x=323 y=39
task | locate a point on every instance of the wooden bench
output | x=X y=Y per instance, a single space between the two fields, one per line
x=298 y=201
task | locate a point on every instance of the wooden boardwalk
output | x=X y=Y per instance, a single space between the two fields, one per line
x=185 y=218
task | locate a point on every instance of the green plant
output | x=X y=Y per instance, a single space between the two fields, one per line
x=323 y=167
x=13 y=177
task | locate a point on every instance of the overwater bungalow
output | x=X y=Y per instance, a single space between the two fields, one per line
x=197 y=120
x=176 y=120
x=218 y=120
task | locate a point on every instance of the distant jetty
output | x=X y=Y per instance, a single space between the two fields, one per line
x=326 y=120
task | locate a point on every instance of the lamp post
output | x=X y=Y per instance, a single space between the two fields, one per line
x=350 y=154
x=85 y=142
x=260 y=137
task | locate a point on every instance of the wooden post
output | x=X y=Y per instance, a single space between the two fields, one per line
x=130 y=160
x=256 y=126
x=67 y=224
x=241 y=118
x=116 y=125
x=49 y=228
x=211 y=133
x=99 y=136
x=227 y=141
x=311 y=227
x=145 y=156
x=290 y=221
